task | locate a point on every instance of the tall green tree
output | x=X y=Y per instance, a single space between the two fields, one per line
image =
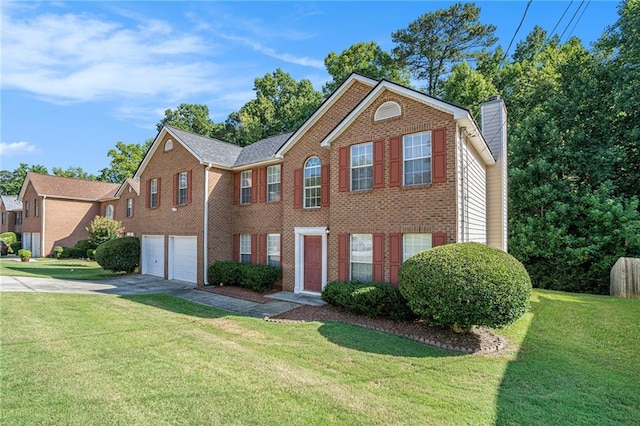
x=125 y=159
x=190 y=117
x=365 y=58
x=74 y=172
x=468 y=87
x=11 y=181
x=431 y=45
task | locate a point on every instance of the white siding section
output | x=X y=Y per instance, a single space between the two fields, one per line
x=472 y=195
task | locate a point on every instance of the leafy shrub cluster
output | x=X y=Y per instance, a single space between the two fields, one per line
x=10 y=239
x=254 y=277
x=102 y=229
x=119 y=255
x=79 y=250
x=465 y=284
x=373 y=299
x=15 y=247
x=24 y=254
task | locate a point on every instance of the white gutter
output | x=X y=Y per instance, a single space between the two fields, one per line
x=43 y=227
x=205 y=237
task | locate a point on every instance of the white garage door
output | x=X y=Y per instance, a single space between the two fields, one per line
x=35 y=244
x=152 y=255
x=183 y=258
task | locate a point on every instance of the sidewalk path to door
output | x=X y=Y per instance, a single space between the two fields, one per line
x=145 y=284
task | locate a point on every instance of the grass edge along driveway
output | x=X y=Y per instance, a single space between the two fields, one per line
x=84 y=359
x=64 y=269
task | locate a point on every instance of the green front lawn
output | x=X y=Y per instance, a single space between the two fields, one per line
x=66 y=269
x=84 y=359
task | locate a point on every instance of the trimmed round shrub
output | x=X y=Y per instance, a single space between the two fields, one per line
x=57 y=252
x=254 y=277
x=465 y=284
x=225 y=273
x=24 y=254
x=373 y=299
x=119 y=255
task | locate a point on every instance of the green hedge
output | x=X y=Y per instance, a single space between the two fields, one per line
x=465 y=284
x=254 y=277
x=373 y=299
x=119 y=255
x=11 y=240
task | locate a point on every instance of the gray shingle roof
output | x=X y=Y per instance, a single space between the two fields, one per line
x=11 y=203
x=208 y=150
x=261 y=150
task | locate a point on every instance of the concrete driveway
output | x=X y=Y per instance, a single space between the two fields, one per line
x=145 y=284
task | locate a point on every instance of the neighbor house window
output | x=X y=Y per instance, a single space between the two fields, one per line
x=129 y=207
x=153 y=193
x=4 y=218
x=414 y=244
x=18 y=218
x=36 y=209
x=312 y=182
x=182 y=188
x=108 y=211
x=245 y=248
x=362 y=166
x=417 y=158
x=273 y=250
x=362 y=257
x=273 y=183
x=245 y=187
x=26 y=209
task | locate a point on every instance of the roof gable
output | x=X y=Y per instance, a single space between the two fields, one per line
x=134 y=184
x=460 y=115
x=11 y=203
x=68 y=188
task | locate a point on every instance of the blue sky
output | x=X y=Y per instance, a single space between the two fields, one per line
x=77 y=77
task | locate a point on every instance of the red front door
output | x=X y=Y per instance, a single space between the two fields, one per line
x=313 y=263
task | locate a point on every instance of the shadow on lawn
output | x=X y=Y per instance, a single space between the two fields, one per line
x=378 y=342
x=177 y=305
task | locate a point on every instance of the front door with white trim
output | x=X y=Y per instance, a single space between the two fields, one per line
x=310 y=259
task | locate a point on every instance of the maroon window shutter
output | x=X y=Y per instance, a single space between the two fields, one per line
x=439 y=155
x=176 y=186
x=395 y=161
x=297 y=188
x=262 y=247
x=438 y=239
x=262 y=184
x=254 y=249
x=236 y=188
x=325 y=186
x=189 y=177
x=378 y=257
x=254 y=185
x=395 y=257
x=235 y=256
x=343 y=169
x=378 y=164
x=148 y=201
x=159 y=192
x=343 y=257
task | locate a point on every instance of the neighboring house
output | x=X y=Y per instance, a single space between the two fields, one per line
x=11 y=214
x=379 y=172
x=57 y=210
x=123 y=205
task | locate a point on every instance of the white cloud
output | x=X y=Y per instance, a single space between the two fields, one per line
x=286 y=57
x=10 y=149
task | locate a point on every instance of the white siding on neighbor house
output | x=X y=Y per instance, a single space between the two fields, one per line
x=472 y=195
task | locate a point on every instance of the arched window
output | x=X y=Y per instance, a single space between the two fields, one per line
x=388 y=109
x=168 y=145
x=312 y=182
x=109 y=211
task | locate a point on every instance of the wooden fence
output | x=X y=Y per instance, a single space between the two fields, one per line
x=625 y=278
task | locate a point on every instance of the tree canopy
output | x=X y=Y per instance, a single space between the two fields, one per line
x=125 y=159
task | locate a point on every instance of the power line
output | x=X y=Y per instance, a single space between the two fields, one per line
x=579 y=18
x=514 y=34
x=560 y=20
x=574 y=15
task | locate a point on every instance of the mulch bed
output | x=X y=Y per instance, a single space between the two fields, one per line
x=479 y=341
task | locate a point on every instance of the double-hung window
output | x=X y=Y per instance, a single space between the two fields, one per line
x=361 y=257
x=362 y=166
x=153 y=193
x=417 y=158
x=245 y=248
x=26 y=209
x=108 y=211
x=414 y=243
x=273 y=183
x=312 y=182
x=245 y=187
x=129 y=207
x=182 y=188
x=36 y=208
x=273 y=250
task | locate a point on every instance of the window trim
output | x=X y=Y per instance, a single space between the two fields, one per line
x=128 y=208
x=270 y=253
x=244 y=244
x=317 y=187
x=404 y=243
x=364 y=145
x=183 y=191
x=36 y=208
x=109 y=211
x=405 y=160
x=153 y=201
x=277 y=196
x=351 y=262
x=247 y=188
x=26 y=208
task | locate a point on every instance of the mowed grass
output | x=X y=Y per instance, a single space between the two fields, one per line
x=84 y=359
x=66 y=269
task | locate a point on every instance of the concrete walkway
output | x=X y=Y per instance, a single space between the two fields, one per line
x=146 y=284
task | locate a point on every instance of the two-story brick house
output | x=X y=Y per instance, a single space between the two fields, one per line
x=10 y=214
x=377 y=173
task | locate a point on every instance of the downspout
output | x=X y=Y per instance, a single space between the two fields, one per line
x=43 y=227
x=205 y=237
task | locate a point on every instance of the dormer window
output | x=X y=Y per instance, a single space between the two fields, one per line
x=168 y=145
x=388 y=109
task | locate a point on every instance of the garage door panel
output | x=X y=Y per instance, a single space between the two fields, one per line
x=183 y=258
x=152 y=255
